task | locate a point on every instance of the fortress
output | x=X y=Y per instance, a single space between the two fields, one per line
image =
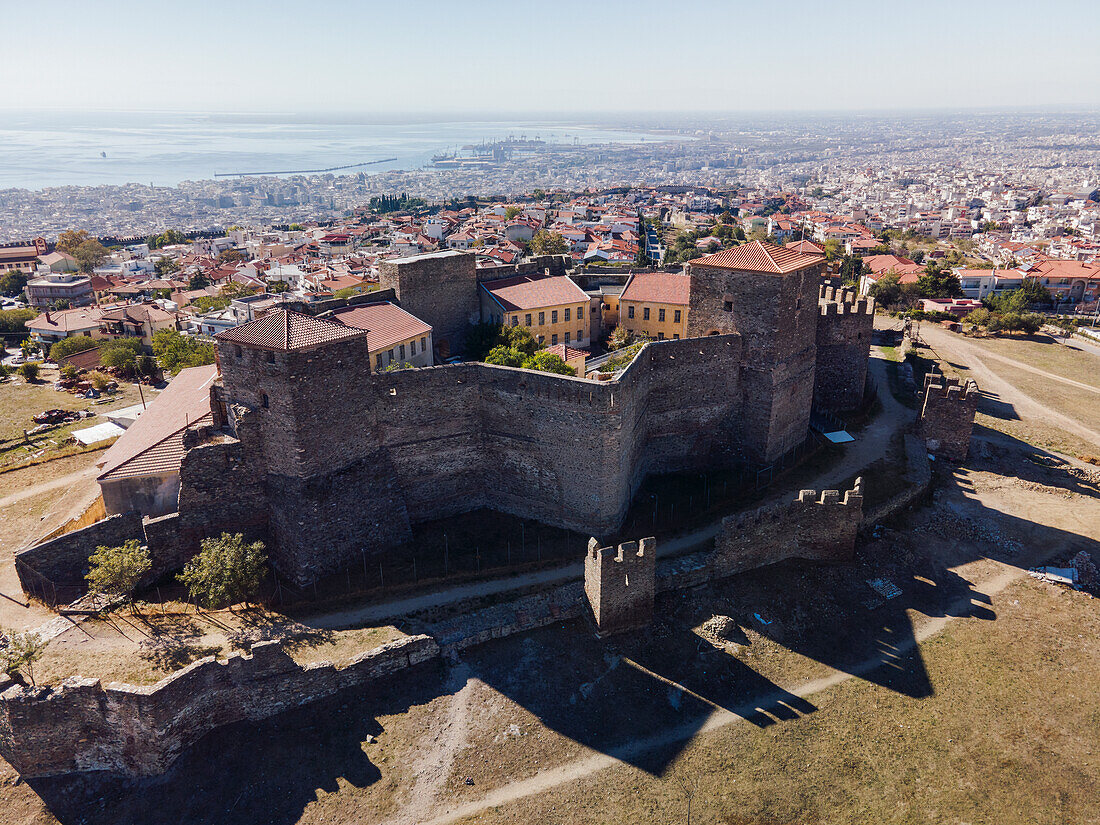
x=326 y=459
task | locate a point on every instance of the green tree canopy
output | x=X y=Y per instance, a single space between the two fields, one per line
x=548 y=362
x=19 y=652
x=14 y=321
x=71 y=346
x=175 y=351
x=89 y=255
x=69 y=240
x=117 y=571
x=226 y=571
x=12 y=282
x=545 y=242
x=165 y=267
x=198 y=281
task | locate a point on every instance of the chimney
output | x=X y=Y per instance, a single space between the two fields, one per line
x=48 y=321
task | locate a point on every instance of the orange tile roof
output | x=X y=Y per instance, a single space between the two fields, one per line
x=153 y=444
x=386 y=324
x=566 y=353
x=658 y=288
x=805 y=247
x=758 y=256
x=526 y=292
x=283 y=329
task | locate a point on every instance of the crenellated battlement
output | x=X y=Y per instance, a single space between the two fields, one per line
x=620 y=583
x=947 y=415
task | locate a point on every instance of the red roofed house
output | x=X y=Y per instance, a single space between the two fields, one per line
x=394 y=336
x=554 y=308
x=141 y=471
x=655 y=304
x=574 y=358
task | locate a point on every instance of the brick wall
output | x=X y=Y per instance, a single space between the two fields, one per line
x=83 y=726
x=947 y=415
x=843 y=340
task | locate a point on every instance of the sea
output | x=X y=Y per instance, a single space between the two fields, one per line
x=43 y=149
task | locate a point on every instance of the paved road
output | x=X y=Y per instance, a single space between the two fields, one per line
x=871 y=444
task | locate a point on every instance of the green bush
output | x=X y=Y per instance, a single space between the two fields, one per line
x=71 y=346
x=225 y=571
x=29 y=370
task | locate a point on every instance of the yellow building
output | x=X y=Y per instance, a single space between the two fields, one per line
x=394 y=336
x=554 y=308
x=655 y=305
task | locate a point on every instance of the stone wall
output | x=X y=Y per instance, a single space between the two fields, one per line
x=83 y=726
x=843 y=338
x=348 y=478
x=64 y=560
x=439 y=289
x=619 y=584
x=816 y=527
x=542 y=265
x=947 y=416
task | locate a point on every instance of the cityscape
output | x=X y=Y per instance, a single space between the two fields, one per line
x=414 y=421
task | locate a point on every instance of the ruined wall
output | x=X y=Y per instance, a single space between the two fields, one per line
x=947 y=416
x=440 y=289
x=543 y=264
x=776 y=316
x=619 y=584
x=82 y=726
x=843 y=347
x=819 y=528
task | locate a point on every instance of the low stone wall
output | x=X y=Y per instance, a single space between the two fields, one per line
x=83 y=726
x=64 y=560
x=917 y=476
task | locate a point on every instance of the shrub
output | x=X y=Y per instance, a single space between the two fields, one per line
x=20 y=651
x=548 y=362
x=979 y=317
x=71 y=346
x=29 y=371
x=69 y=372
x=116 y=571
x=226 y=571
x=99 y=380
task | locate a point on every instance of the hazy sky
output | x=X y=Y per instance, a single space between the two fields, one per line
x=558 y=55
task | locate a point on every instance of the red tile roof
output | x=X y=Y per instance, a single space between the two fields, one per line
x=658 y=288
x=758 y=256
x=283 y=329
x=153 y=444
x=566 y=353
x=526 y=292
x=66 y=320
x=386 y=324
x=805 y=247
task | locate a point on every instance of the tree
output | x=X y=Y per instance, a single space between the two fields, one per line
x=12 y=282
x=19 y=652
x=70 y=240
x=175 y=351
x=548 y=362
x=71 y=346
x=29 y=371
x=165 y=267
x=198 y=281
x=505 y=357
x=14 y=321
x=832 y=249
x=89 y=255
x=1010 y=302
x=278 y=286
x=121 y=354
x=1036 y=293
x=851 y=269
x=937 y=282
x=510 y=212
x=115 y=572
x=226 y=571
x=545 y=242
x=886 y=290
x=30 y=347
x=620 y=337
x=231 y=256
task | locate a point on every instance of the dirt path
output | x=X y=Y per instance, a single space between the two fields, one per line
x=720 y=718
x=1020 y=365
x=871 y=445
x=67 y=481
x=950 y=347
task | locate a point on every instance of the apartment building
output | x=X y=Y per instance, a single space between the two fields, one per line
x=553 y=307
x=394 y=337
x=655 y=305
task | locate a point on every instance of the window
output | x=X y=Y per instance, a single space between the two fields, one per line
x=660 y=336
x=676 y=317
x=271 y=358
x=542 y=318
x=412 y=347
x=378 y=361
x=515 y=320
x=542 y=338
x=392 y=353
x=675 y=336
x=727 y=306
x=661 y=315
x=553 y=316
x=553 y=340
x=424 y=344
x=580 y=312
x=237 y=351
x=402 y=352
x=527 y=319
x=580 y=334
x=630 y=311
x=567 y=313
x=263 y=400
x=645 y=313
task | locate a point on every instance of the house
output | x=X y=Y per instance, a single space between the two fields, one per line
x=22 y=258
x=51 y=327
x=394 y=336
x=1068 y=281
x=141 y=471
x=574 y=358
x=553 y=307
x=50 y=287
x=59 y=262
x=958 y=307
x=137 y=321
x=655 y=305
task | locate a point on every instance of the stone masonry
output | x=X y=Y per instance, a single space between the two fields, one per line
x=947 y=416
x=620 y=584
x=439 y=289
x=843 y=336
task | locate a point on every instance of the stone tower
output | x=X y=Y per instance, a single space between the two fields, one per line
x=439 y=288
x=843 y=346
x=620 y=584
x=947 y=416
x=769 y=295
